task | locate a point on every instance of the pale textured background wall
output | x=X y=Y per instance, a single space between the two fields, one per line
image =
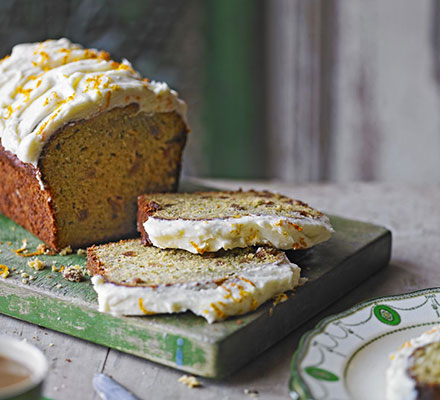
x=297 y=90
x=361 y=78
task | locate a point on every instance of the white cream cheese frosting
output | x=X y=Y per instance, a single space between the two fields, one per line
x=400 y=385
x=45 y=85
x=236 y=295
x=198 y=236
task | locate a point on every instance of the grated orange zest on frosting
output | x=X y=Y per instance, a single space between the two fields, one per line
x=86 y=82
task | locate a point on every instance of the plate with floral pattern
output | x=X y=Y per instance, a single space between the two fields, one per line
x=346 y=355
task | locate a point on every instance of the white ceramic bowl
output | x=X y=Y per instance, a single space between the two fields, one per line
x=32 y=358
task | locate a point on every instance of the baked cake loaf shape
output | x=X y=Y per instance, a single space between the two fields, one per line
x=208 y=221
x=133 y=279
x=414 y=371
x=81 y=136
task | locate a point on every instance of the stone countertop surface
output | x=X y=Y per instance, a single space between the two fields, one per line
x=411 y=212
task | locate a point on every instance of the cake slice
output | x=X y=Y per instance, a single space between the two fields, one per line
x=414 y=371
x=210 y=221
x=133 y=279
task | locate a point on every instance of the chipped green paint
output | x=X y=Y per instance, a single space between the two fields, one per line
x=183 y=350
x=185 y=341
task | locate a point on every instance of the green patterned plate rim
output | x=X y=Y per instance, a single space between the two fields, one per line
x=346 y=355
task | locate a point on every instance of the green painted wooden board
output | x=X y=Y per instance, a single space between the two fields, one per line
x=184 y=341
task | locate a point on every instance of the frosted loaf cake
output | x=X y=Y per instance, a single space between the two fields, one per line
x=133 y=279
x=81 y=136
x=209 y=221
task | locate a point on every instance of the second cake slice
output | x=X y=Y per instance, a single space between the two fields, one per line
x=133 y=279
x=210 y=221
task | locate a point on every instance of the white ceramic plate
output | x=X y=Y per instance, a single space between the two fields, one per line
x=346 y=355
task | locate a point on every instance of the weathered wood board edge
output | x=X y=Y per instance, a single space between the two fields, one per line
x=180 y=347
x=120 y=333
x=331 y=287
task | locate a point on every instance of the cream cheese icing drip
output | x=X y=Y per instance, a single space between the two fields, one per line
x=45 y=85
x=199 y=236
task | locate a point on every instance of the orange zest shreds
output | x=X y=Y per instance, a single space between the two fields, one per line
x=4 y=271
x=5 y=58
x=218 y=311
x=280 y=298
x=25 y=92
x=303 y=242
x=248 y=281
x=50 y=98
x=254 y=305
x=406 y=344
x=45 y=57
x=146 y=80
x=104 y=55
x=10 y=111
x=21 y=253
x=143 y=309
x=22 y=248
x=228 y=292
x=125 y=67
x=297 y=227
x=198 y=249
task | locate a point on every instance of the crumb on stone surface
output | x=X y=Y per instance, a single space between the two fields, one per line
x=64 y=252
x=36 y=264
x=74 y=273
x=59 y=286
x=81 y=252
x=24 y=281
x=190 y=381
x=251 y=392
x=279 y=298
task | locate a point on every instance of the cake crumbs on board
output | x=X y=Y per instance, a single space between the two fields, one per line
x=67 y=250
x=190 y=381
x=4 y=271
x=36 y=264
x=74 y=273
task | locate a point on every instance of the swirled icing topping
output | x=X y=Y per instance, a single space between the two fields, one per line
x=45 y=85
